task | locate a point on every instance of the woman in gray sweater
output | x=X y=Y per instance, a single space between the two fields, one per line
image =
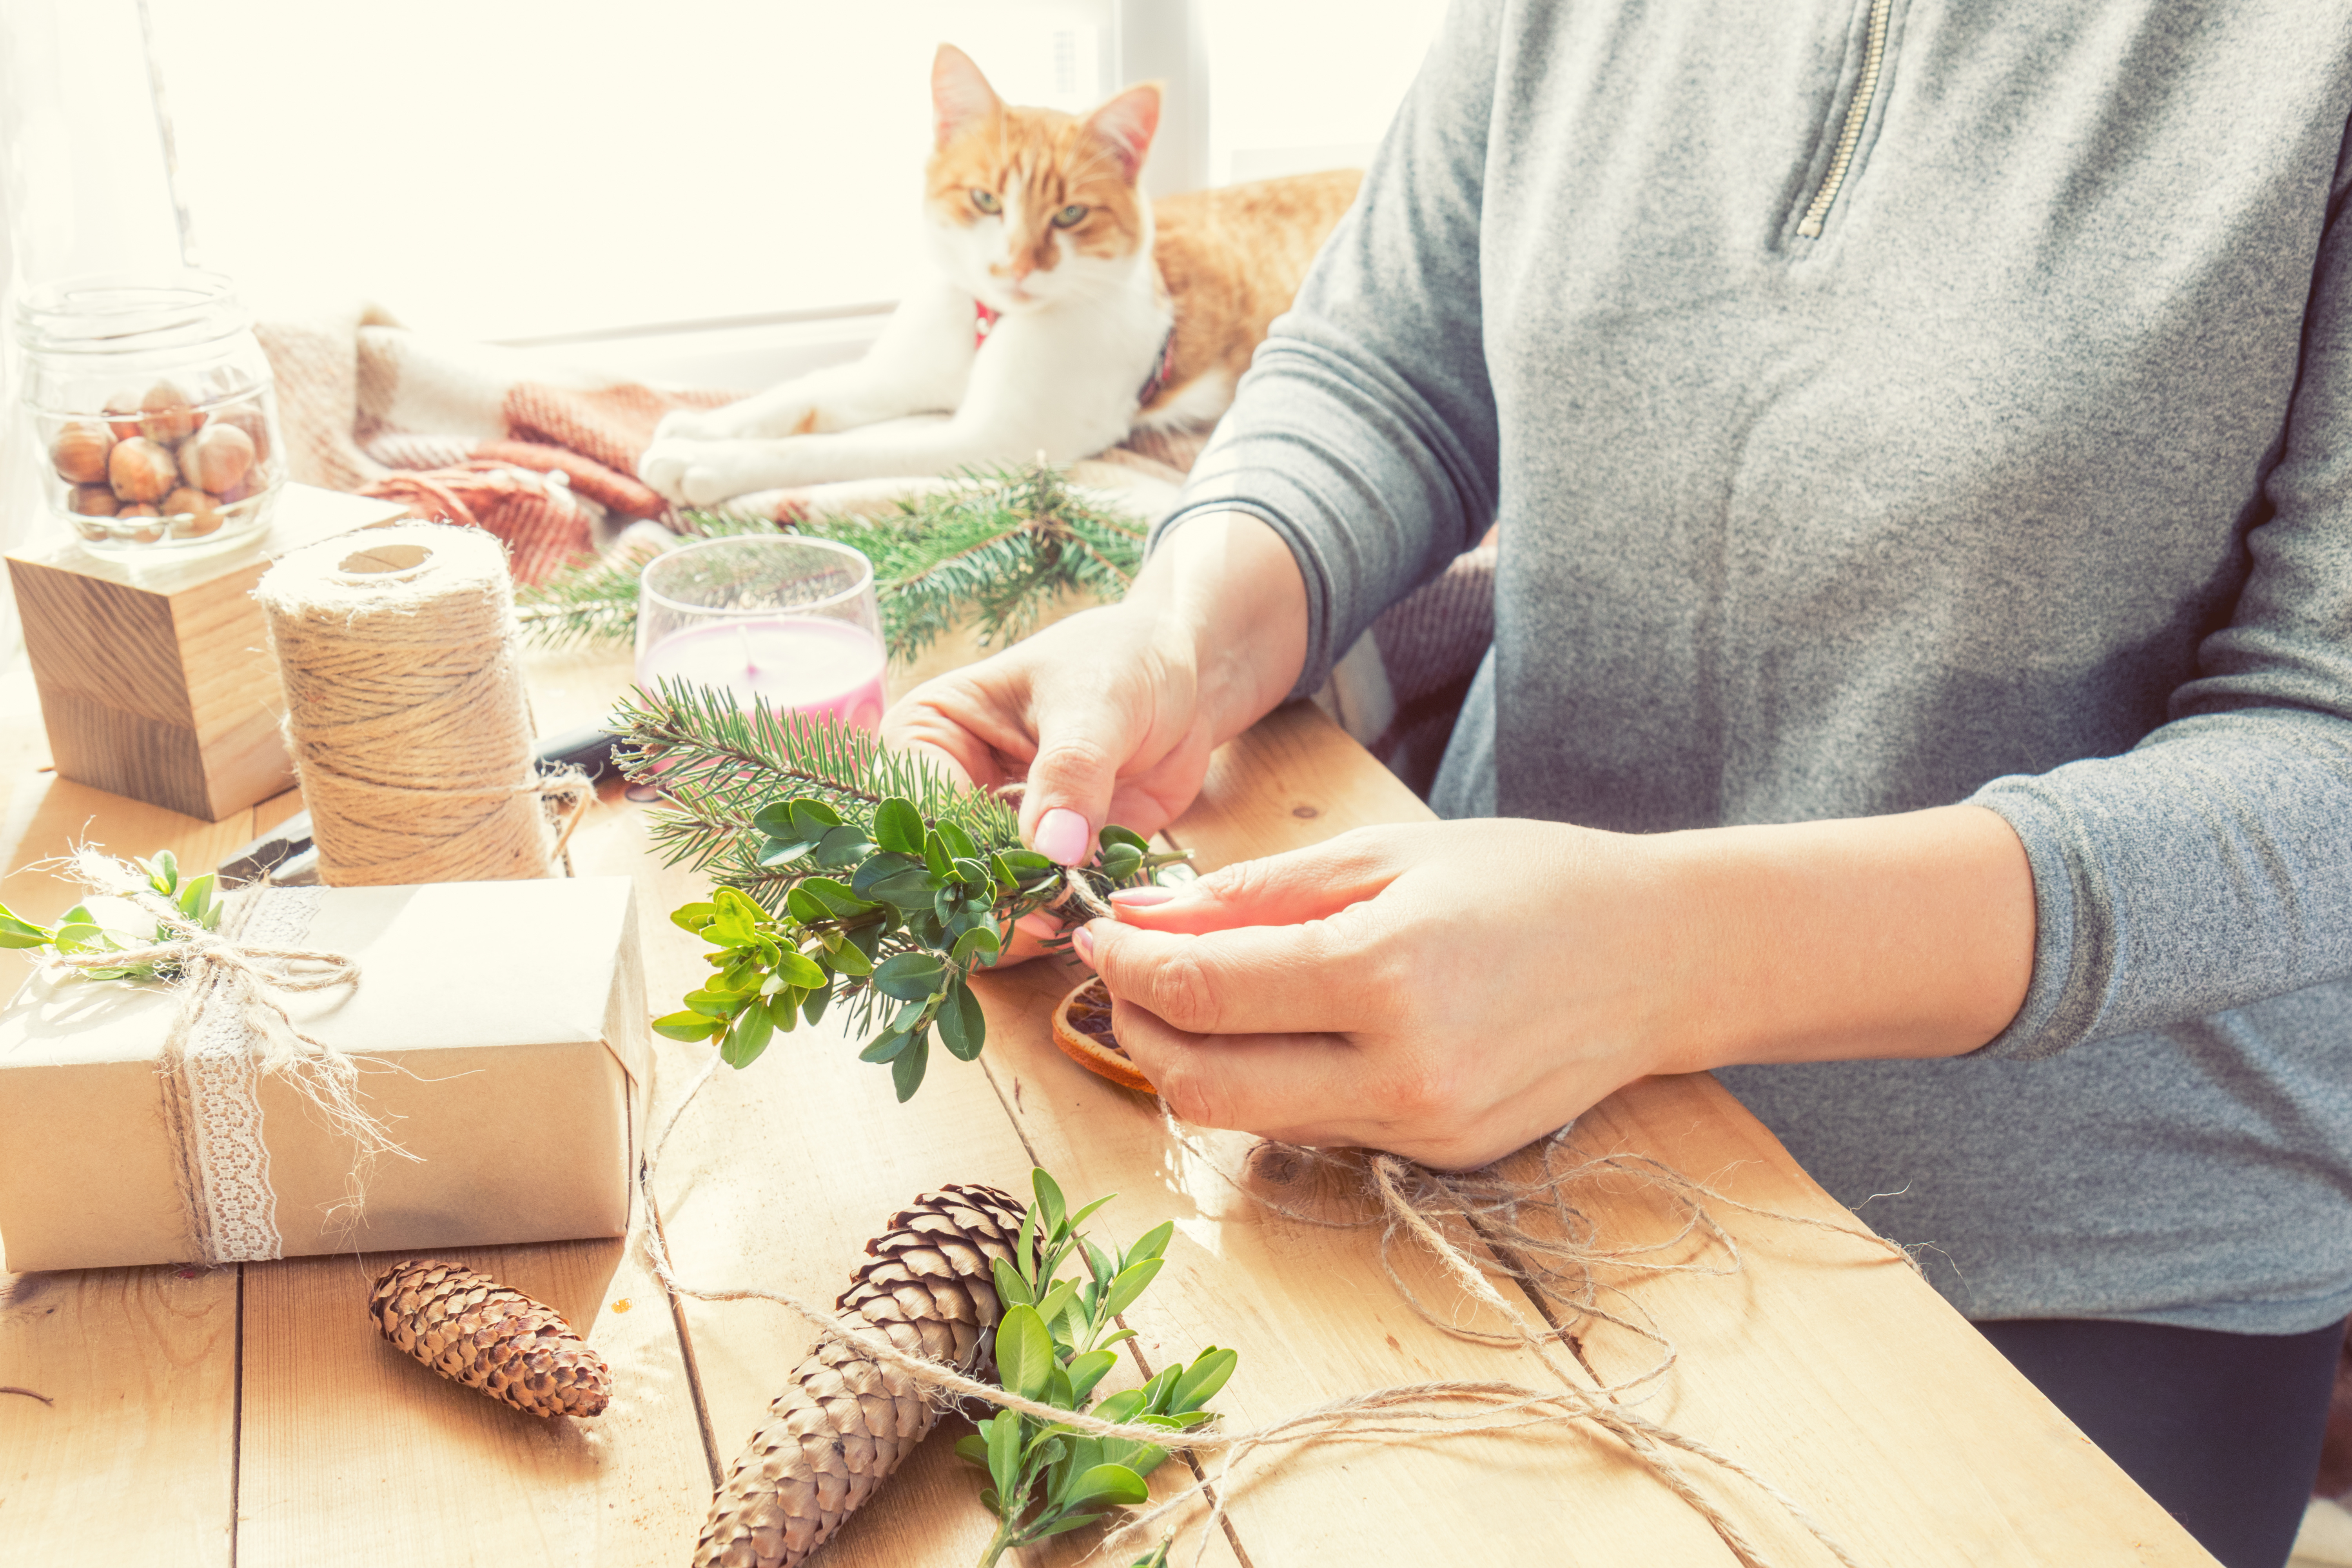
x=1922 y=683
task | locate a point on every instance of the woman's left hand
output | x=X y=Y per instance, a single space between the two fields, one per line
x=1452 y=991
x=1446 y=991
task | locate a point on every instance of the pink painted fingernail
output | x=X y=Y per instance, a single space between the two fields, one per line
x=1062 y=836
x=1140 y=898
x=1084 y=941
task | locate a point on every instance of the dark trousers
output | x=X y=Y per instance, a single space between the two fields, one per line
x=2222 y=1430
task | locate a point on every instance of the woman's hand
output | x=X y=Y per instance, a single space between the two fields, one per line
x=1452 y=991
x=1110 y=716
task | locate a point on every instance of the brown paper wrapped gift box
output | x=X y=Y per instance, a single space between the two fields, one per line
x=502 y=1033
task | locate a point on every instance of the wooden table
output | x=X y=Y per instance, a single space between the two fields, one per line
x=250 y=1415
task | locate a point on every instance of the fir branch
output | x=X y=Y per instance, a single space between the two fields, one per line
x=995 y=551
x=595 y=599
x=719 y=765
x=844 y=873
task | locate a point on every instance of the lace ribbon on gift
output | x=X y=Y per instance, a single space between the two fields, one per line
x=231 y=1027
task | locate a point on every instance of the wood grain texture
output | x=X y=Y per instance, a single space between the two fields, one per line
x=1824 y=1355
x=350 y=1452
x=135 y=1460
x=155 y=678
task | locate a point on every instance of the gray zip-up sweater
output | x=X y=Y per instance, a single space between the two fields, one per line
x=1888 y=405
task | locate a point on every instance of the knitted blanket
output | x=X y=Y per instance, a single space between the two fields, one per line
x=544 y=457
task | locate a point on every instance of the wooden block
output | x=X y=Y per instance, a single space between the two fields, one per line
x=155 y=678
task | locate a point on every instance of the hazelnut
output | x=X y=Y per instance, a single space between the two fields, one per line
x=165 y=416
x=196 y=519
x=217 y=457
x=78 y=454
x=93 y=501
x=138 y=510
x=249 y=419
x=141 y=470
x=127 y=404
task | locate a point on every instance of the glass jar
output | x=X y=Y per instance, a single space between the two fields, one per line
x=153 y=403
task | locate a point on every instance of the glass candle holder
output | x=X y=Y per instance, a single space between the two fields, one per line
x=154 y=404
x=791 y=620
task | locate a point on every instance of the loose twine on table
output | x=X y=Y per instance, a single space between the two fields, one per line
x=406 y=711
x=1474 y=1223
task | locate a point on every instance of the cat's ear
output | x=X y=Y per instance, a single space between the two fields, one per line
x=1126 y=123
x=960 y=97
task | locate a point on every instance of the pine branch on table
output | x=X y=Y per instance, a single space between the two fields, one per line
x=997 y=550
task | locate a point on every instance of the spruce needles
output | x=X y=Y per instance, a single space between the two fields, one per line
x=995 y=551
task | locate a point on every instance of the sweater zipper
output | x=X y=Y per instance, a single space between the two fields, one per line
x=1873 y=56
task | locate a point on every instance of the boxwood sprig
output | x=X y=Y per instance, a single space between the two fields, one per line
x=80 y=932
x=1053 y=1345
x=889 y=919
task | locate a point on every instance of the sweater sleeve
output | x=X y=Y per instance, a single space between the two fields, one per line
x=2210 y=865
x=1365 y=432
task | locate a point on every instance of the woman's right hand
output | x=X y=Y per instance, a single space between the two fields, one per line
x=1110 y=715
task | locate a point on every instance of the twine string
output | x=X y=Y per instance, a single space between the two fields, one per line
x=405 y=711
x=1426 y=1207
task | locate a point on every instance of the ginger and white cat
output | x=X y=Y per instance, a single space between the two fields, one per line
x=1066 y=312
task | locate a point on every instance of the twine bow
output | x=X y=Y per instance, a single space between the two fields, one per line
x=251 y=981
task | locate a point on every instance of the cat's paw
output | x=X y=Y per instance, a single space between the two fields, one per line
x=689 y=424
x=704 y=473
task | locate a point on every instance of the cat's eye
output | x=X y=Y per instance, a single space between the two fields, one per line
x=986 y=201
x=1070 y=217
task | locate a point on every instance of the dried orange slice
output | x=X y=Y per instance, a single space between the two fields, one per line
x=1082 y=1028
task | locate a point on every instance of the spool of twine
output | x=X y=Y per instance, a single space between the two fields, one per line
x=405 y=707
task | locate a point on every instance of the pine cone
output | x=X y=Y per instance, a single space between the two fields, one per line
x=846 y=1420
x=472 y=1329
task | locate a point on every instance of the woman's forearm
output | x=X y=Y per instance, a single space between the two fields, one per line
x=1226 y=595
x=1888 y=936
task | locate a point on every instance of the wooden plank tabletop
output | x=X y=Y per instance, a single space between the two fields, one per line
x=249 y=1414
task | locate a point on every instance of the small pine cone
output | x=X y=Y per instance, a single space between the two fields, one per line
x=472 y=1329
x=846 y=1420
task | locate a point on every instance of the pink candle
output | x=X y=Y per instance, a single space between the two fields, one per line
x=796 y=662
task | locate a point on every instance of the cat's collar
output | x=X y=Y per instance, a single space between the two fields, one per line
x=985 y=319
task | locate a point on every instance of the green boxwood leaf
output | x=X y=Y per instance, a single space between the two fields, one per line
x=1131 y=1282
x=164 y=871
x=909 y=976
x=1003 y=1441
x=1150 y=1244
x=1123 y=862
x=805 y=906
x=847 y=957
x=694 y=917
x=812 y=1008
x=843 y=846
x=688 y=1026
x=196 y=896
x=936 y=858
x=1114 y=835
x=799 y=969
x=1088 y=1370
x=712 y=1004
x=963 y=1028
x=778 y=853
x=812 y=818
x=899 y=826
x=1199 y=1384
x=748 y=1039
x=1107 y=1484
x=1024 y=1352
x=884 y=1046
x=1051 y=1207
x=835 y=895
x=958 y=842
x=906 y=1072
x=1011 y=1288
x=977 y=946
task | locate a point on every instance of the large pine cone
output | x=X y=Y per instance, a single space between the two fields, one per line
x=846 y=1420
x=472 y=1329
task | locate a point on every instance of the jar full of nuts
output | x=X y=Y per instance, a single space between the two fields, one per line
x=154 y=405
